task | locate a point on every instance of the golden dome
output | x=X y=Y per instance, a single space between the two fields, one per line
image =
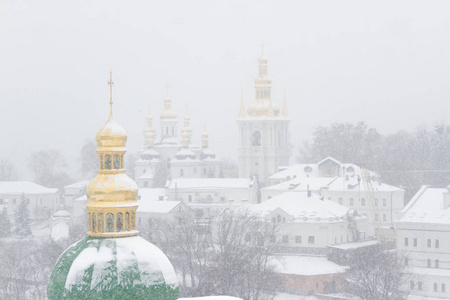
x=111 y=136
x=168 y=113
x=111 y=195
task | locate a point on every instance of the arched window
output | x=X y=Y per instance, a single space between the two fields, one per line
x=108 y=162
x=133 y=220
x=94 y=222
x=101 y=223
x=256 y=138
x=101 y=162
x=116 y=162
x=109 y=222
x=119 y=222
x=127 y=221
x=181 y=172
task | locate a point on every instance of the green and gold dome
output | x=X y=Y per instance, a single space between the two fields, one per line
x=112 y=262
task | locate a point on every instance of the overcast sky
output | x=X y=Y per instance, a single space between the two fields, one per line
x=383 y=62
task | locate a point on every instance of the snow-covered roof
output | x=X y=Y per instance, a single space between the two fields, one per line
x=307 y=265
x=352 y=184
x=81 y=199
x=303 y=208
x=355 y=245
x=151 y=194
x=79 y=184
x=150 y=152
x=24 y=187
x=312 y=170
x=61 y=214
x=427 y=206
x=302 y=184
x=210 y=183
x=147 y=175
x=157 y=206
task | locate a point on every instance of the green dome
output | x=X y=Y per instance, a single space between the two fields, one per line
x=113 y=268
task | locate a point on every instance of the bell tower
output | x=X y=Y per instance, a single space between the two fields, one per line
x=263 y=144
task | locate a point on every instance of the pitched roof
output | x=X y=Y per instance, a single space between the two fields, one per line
x=24 y=187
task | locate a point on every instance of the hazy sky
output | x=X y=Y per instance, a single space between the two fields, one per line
x=383 y=62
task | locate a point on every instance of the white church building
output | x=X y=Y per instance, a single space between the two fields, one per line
x=172 y=153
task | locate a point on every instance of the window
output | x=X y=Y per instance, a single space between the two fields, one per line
x=351 y=201
x=298 y=239
x=341 y=201
x=415 y=242
x=384 y=201
x=285 y=239
x=376 y=217
x=436 y=244
x=310 y=239
x=101 y=162
x=204 y=171
x=145 y=183
x=376 y=201
x=256 y=138
x=443 y=287
x=384 y=217
x=419 y=285
x=195 y=169
x=429 y=263
x=110 y=223
x=189 y=198
x=435 y=287
x=94 y=222
x=363 y=201
x=119 y=222
x=133 y=219
x=406 y=261
x=101 y=223
x=116 y=162
x=436 y=263
x=181 y=172
x=108 y=162
x=406 y=241
x=429 y=243
x=278 y=219
x=127 y=221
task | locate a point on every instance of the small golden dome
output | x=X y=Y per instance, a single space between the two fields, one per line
x=168 y=113
x=111 y=136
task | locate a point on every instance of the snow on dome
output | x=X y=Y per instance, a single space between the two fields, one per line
x=112 y=135
x=113 y=268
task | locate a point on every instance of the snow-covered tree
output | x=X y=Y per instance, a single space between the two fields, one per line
x=5 y=224
x=377 y=274
x=89 y=158
x=48 y=168
x=8 y=171
x=22 y=219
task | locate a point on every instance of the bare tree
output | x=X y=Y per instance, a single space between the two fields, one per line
x=48 y=168
x=89 y=158
x=377 y=274
x=231 y=254
x=8 y=171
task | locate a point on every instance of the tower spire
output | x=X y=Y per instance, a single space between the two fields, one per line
x=110 y=83
x=262 y=48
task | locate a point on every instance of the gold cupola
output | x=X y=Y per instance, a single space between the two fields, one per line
x=112 y=195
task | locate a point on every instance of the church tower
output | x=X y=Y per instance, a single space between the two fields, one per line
x=112 y=262
x=263 y=144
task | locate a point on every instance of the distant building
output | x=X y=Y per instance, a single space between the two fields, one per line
x=209 y=195
x=263 y=144
x=72 y=192
x=308 y=224
x=423 y=236
x=168 y=153
x=345 y=184
x=42 y=201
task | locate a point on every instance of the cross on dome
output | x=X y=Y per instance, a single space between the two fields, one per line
x=110 y=83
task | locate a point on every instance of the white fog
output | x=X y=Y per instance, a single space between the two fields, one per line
x=322 y=128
